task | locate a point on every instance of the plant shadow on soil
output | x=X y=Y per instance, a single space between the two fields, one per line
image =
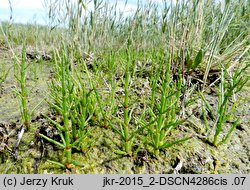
x=195 y=156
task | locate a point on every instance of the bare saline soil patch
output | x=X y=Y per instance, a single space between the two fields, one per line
x=97 y=153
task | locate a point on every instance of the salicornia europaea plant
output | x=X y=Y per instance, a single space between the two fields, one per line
x=164 y=112
x=224 y=112
x=23 y=93
x=72 y=101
